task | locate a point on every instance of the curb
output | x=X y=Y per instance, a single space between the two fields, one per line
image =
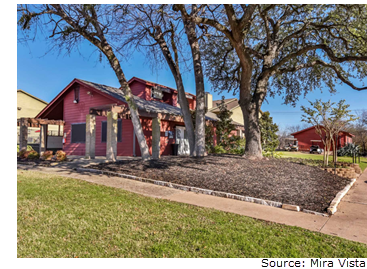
x=315 y=213
x=334 y=203
x=203 y=191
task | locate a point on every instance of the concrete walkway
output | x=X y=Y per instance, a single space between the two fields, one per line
x=349 y=222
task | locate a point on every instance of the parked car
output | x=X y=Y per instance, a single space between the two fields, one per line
x=291 y=147
x=316 y=149
x=291 y=144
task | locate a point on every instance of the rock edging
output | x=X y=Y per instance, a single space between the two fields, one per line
x=335 y=202
x=204 y=191
x=186 y=188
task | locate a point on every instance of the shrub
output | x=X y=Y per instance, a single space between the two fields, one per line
x=60 y=156
x=47 y=155
x=274 y=154
x=31 y=155
x=219 y=150
x=237 y=146
x=29 y=148
x=22 y=153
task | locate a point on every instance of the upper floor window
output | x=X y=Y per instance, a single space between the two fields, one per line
x=76 y=94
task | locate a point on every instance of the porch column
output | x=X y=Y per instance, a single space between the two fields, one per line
x=23 y=134
x=43 y=137
x=156 y=138
x=90 y=137
x=111 y=147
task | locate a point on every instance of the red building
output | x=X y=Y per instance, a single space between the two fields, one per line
x=81 y=98
x=308 y=137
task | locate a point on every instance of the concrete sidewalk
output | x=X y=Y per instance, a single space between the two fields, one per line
x=349 y=222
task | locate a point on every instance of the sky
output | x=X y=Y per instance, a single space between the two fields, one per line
x=44 y=75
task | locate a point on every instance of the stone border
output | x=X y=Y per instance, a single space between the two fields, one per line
x=334 y=203
x=202 y=191
x=315 y=213
x=331 y=209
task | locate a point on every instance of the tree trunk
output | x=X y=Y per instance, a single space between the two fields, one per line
x=102 y=44
x=129 y=97
x=179 y=84
x=250 y=110
x=200 y=91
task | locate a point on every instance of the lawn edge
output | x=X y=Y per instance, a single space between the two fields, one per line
x=332 y=209
x=202 y=191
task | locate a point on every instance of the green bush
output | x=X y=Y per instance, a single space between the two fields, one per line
x=275 y=154
x=29 y=148
x=219 y=150
x=22 y=153
x=31 y=155
x=237 y=145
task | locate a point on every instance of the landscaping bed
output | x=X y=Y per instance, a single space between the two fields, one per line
x=65 y=217
x=276 y=179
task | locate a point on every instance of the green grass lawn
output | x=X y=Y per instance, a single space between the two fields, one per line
x=293 y=154
x=64 y=217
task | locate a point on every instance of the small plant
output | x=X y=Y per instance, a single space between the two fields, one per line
x=237 y=145
x=31 y=155
x=29 y=148
x=60 y=156
x=274 y=154
x=22 y=153
x=219 y=150
x=47 y=155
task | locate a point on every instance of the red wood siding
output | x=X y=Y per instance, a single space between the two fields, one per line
x=304 y=139
x=138 y=89
x=76 y=113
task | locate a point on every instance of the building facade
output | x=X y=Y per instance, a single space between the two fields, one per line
x=308 y=137
x=81 y=98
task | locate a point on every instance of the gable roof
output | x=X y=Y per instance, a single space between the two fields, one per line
x=313 y=127
x=150 y=83
x=231 y=104
x=30 y=95
x=148 y=106
x=117 y=94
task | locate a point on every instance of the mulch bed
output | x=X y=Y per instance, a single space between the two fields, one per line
x=277 y=180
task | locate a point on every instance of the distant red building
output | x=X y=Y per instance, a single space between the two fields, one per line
x=75 y=101
x=308 y=137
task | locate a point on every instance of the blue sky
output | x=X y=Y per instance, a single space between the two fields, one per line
x=46 y=75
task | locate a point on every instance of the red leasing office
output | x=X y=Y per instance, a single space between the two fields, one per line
x=81 y=97
x=308 y=137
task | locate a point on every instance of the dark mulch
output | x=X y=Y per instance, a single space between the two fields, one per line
x=277 y=180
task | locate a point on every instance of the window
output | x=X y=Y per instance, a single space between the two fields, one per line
x=119 y=131
x=76 y=94
x=78 y=132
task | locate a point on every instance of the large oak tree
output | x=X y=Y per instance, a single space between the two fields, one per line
x=263 y=50
x=70 y=24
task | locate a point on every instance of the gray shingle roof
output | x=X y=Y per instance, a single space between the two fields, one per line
x=148 y=106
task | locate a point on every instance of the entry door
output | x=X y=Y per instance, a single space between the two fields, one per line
x=182 y=141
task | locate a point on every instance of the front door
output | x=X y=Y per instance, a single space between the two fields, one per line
x=182 y=141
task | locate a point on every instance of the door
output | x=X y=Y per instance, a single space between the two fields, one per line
x=182 y=141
